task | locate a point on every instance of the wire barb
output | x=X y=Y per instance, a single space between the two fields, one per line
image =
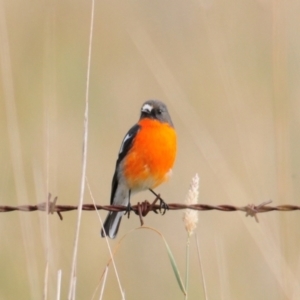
x=49 y=206
x=252 y=210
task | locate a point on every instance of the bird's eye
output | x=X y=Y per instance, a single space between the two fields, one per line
x=159 y=111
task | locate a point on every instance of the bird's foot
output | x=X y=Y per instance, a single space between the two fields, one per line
x=128 y=210
x=162 y=204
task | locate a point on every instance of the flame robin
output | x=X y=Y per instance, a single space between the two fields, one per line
x=145 y=160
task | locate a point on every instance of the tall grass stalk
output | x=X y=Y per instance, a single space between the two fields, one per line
x=103 y=283
x=59 y=273
x=190 y=219
x=84 y=160
x=187 y=264
x=201 y=268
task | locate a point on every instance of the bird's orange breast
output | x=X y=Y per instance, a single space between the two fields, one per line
x=150 y=160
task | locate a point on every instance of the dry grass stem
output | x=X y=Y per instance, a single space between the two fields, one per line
x=59 y=273
x=103 y=283
x=201 y=268
x=84 y=160
x=190 y=217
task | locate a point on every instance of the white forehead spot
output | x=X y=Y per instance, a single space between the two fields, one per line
x=147 y=108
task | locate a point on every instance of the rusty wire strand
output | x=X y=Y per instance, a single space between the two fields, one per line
x=142 y=209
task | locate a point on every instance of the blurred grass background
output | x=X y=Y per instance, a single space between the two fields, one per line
x=229 y=73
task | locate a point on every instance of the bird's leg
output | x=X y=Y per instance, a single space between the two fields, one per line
x=129 y=208
x=163 y=204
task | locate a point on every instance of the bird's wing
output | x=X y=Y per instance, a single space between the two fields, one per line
x=125 y=147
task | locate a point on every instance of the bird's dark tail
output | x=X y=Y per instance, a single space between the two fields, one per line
x=111 y=224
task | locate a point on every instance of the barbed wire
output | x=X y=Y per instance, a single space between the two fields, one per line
x=143 y=208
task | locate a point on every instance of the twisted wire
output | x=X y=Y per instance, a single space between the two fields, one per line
x=143 y=208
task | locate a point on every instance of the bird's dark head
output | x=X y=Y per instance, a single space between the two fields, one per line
x=157 y=110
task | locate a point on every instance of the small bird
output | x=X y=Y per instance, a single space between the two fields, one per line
x=145 y=160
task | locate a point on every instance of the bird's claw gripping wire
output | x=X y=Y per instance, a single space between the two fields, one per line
x=128 y=210
x=162 y=204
